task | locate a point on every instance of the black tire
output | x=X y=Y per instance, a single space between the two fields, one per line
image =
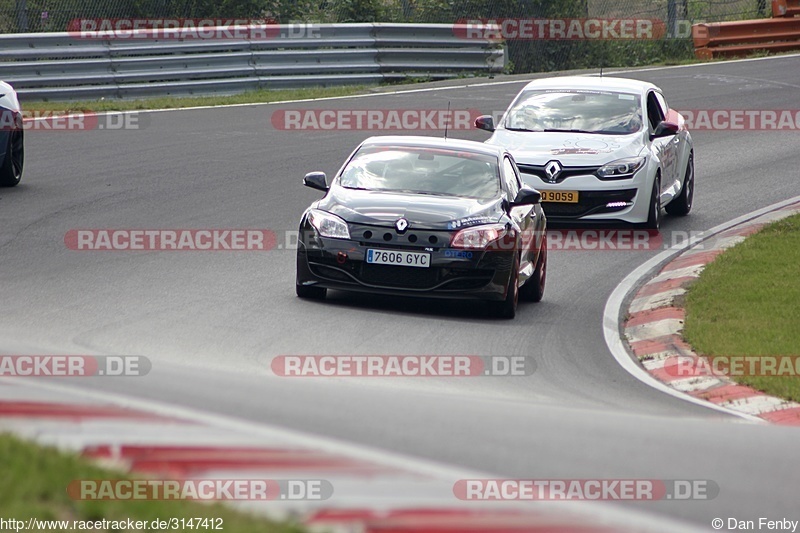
x=310 y=292
x=533 y=290
x=682 y=204
x=14 y=161
x=654 y=216
x=508 y=307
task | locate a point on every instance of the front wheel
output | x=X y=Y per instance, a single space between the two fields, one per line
x=533 y=290
x=654 y=212
x=683 y=203
x=11 y=168
x=508 y=307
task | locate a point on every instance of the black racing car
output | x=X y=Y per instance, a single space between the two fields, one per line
x=12 y=148
x=427 y=217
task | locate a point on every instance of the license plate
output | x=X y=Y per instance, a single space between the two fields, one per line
x=394 y=257
x=560 y=197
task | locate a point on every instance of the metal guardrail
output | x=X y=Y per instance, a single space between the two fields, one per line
x=64 y=66
x=732 y=39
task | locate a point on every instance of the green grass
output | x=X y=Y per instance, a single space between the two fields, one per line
x=35 y=478
x=747 y=303
x=251 y=97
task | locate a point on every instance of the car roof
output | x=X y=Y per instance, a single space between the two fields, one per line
x=593 y=82
x=436 y=142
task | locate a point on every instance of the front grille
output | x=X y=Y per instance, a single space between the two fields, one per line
x=590 y=202
x=467 y=284
x=331 y=273
x=400 y=276
x=388 y=237
x=566 y=172
x=403 y=277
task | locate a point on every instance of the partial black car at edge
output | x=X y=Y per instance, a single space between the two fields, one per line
x=12 y=148
x=429 y=217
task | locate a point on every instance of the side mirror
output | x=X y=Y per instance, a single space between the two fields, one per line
x=665 y=129
x=485 y=122
x=316 y=180
x=527 y=196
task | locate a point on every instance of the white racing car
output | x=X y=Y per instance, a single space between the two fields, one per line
x=12 y=148
x=599 y=149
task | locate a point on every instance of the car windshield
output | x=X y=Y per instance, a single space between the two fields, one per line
x=584 y=111
x=420 y=170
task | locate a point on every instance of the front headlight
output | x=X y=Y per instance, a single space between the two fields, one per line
x=621 y=168
x=328 y=224
x=480 y=237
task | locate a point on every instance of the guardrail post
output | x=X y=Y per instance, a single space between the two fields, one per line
x=779 y=8
x=22 y=16
x=672 y=18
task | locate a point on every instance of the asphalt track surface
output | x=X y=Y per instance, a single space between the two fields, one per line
x=212 y=321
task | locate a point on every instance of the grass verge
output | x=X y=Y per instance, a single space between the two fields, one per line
x=35 y=478
x=746 y=303
x=170 y=102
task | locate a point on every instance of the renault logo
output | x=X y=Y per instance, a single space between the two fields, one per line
x=552 y=169
x=401 y=225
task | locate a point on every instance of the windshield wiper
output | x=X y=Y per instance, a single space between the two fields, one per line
x=524 y=129
x=411 y=191
x=555 y=130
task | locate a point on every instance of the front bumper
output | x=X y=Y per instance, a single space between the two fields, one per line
x=629 y=198
x=457 y=274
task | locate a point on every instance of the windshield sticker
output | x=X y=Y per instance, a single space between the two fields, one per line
x=577 y=91
x=588 y=146
x=575 y=151
x=469 y=221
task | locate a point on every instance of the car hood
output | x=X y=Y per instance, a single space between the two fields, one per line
x=8 y=97
x=422 y=211
x=570 y=149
